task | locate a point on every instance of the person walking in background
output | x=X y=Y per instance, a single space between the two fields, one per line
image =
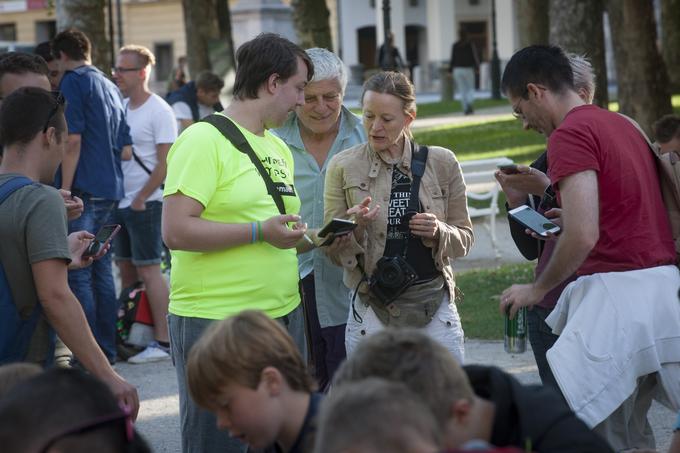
x=464 y=65
x=232 y=246
x=178 y=76
x=316 y=132
x=388 y=57
x=138 y=246
x=409 y=229
x=91 y=170
x=196 y=100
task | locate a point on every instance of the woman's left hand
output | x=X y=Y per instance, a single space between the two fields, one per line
x=424 y=225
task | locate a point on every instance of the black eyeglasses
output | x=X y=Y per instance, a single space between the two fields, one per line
x=124 y=415
x=119 y=69
x=60 y=103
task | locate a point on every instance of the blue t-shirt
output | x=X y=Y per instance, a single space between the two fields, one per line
x=95 y=110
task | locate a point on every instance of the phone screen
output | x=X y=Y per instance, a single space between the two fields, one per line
x=104 y=232
x=534 y=221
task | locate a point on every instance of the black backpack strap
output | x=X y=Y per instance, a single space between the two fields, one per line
x=234 y=135
x=418 y=162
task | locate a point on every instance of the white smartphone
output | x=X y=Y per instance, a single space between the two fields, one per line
x=536 y=222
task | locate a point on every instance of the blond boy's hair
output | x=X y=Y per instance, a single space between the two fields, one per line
x=407 y=355
x=144 y=56
x=237 y=350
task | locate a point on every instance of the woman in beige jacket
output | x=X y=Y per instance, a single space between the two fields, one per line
x=398 y=262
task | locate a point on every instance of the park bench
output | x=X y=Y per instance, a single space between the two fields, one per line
x=481 y=186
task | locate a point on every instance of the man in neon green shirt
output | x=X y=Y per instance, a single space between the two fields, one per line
x=231 y=249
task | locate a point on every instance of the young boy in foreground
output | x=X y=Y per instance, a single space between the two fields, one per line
x=247 y=371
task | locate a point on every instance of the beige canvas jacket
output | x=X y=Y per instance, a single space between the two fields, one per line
x=359 y=172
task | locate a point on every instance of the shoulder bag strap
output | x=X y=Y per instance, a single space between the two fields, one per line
x=418 y=162
x=234 y=135
x=134 y=154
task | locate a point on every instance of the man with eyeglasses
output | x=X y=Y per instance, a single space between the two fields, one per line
x=667 y=133
x=138 y=246
x=91 y=170
x=35 y=250
x=618 y=323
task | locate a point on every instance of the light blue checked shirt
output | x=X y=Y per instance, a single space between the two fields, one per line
x=332 y=296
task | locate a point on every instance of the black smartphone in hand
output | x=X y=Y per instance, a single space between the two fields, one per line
x=101 y=240
x=335 y=228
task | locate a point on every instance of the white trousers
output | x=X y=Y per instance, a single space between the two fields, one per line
x=445 y=327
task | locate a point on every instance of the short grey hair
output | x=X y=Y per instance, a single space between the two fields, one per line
x=584 y=77
x=327 y=66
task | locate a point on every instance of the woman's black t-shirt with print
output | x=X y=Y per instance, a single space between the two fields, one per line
x=417 y=255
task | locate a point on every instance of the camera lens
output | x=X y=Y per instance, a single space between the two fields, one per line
x=391 y=276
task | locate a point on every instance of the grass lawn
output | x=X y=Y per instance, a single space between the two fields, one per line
x=479 y=309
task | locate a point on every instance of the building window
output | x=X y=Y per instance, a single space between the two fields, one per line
x=8 y=32
x=474 y=2
x=45 y=30
x=371 y=3
x=164 y=60
x=413 y=3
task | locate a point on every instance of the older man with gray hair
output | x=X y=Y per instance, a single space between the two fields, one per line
x=315 y=132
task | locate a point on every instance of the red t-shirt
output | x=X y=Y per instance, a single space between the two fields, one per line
x=635 y=232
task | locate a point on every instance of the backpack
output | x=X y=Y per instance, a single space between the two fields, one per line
x=16 y=330
x=668 y=169
x=134 y=327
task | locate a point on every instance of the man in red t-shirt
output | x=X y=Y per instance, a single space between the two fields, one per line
x=616 y=234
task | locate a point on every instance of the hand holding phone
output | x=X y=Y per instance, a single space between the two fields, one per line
x=336 y=228
x=509 y=169
x=534 y=221
x=101 y=241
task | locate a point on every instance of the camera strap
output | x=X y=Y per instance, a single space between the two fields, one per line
x=418 y=163
x=235 y=136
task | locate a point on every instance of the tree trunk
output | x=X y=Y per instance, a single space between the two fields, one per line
x=200 y=26
x=310 y=18
x=532 y=22
x=576 y=26
x=670 y=40
x=209 y=37
x=640 y=71
x=88 y=17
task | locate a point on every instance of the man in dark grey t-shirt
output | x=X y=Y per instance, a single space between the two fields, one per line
x=37 y=251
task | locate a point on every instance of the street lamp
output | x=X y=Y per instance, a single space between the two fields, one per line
x=495 y=62
x=387 y=25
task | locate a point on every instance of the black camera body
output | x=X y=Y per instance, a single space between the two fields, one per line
x=391 y=277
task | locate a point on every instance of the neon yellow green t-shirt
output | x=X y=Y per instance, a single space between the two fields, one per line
x=205 y=166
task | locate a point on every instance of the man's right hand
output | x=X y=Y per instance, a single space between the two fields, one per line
x=124 y=392
x=519 y=185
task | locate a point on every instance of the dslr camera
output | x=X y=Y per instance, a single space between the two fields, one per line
x=391 y=277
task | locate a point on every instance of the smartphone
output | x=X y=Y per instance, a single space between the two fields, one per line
x=536 y=222
x=508 y=169
x=101 y=240
x=335 y=228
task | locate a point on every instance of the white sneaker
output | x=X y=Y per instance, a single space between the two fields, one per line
x=152 y=353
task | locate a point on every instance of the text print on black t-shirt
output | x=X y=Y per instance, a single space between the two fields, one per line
x=401 y=193
x=418 y=255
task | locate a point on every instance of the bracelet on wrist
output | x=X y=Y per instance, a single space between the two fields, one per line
x=260 y=236
x=253 y=232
